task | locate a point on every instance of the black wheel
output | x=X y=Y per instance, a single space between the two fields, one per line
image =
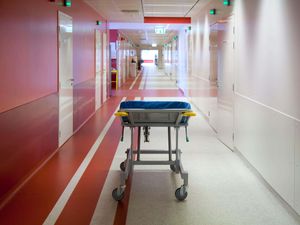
x=174 y=168
x=123 y=166
x=117 y=195
x=181 y=193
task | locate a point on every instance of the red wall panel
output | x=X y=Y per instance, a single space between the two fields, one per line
x=28 y=48
x=29 y=134
x=84 y=102
x=29 y=80
x=27 y=51
x=113 y=35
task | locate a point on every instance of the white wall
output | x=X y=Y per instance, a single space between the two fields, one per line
x=297 y=167
x=200 y=50
x=182 y=65
x=267 y=86
x=267 y=106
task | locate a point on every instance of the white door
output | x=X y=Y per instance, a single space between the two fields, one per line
x=65 y=56
x=98 y=83
x=104 y=67
x=226 y=83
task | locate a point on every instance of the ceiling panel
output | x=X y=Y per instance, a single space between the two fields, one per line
x=132 y=12
x=167 y=8
x=191 y=2
x=119 y=10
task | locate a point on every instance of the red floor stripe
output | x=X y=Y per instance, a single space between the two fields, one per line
x=88 y=190
x=151 y=93
x=122 y=209
x=80 y=207
x=37 y=197
x=138 y=82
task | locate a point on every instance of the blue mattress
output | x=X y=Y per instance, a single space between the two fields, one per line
x=154 y=105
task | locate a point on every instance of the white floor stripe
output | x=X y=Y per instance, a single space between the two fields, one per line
x=62 y=201
x=106 y=207
x=132 y=85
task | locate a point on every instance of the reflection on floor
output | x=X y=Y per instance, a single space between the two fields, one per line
x=222 y=189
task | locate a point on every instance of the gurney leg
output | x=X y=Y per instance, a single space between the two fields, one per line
x=177 y=150
x=174 y=167
x=122 y=135
x=118 y=193
x=139 y=144
x=180 y=193
x=169 y=144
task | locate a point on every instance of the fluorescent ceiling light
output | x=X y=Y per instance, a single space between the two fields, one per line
x=172 y=5
x=154 y=45
x=171 y=13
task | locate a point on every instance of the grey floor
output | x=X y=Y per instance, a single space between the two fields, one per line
x=222 y=189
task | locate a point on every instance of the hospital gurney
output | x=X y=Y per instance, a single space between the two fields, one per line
x=146 y=114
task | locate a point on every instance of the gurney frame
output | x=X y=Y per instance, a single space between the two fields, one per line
x=145 y=118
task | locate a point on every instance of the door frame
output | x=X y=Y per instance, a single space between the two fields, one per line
x=64 y=93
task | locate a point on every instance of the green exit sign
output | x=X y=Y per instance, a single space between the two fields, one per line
x=160 y=30
x=67 y=3
x=227 y=2
x=212 y=12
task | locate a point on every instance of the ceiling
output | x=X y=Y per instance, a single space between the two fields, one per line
x=128 y=16
x=144 y=34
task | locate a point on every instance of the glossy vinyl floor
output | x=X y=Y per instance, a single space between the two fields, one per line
x=74 y=187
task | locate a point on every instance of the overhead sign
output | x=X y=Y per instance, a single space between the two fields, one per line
x=160 y=30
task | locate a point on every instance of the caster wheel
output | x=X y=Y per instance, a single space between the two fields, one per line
x=123 y=166
x=181 y=193
x=117 y=195
x=174 y=168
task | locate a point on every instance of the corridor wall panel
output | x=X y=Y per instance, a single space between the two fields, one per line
x=297 y=167
x=267 y=91
x=266 y=86
x=84 y=101
x=28 y=51
x=29 y=134
x=266 y=139
x=268 y=52
x=29 y=81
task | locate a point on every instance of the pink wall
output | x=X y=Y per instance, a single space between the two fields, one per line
x=29 y=80
x=113 y=35
x=28 y=51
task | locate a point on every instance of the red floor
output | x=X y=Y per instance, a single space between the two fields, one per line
x=34 y=201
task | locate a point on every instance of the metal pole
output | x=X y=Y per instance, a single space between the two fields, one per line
x=169 y=144
x=177 y=150
x=139 y=144
x=131 y=148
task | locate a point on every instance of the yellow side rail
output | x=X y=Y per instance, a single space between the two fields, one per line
x=121 y=114
x=189 y=114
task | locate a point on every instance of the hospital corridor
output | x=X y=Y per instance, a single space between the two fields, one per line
x=149 y=112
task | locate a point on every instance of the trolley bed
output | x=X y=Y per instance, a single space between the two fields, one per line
x=146 y=114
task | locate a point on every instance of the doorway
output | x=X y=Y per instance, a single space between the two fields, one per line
x=104 y=68
x=149 y=56
x=65 y=76
x=225 y=82
x=98 y=59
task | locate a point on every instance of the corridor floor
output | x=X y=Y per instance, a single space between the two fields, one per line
x=74 y=186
